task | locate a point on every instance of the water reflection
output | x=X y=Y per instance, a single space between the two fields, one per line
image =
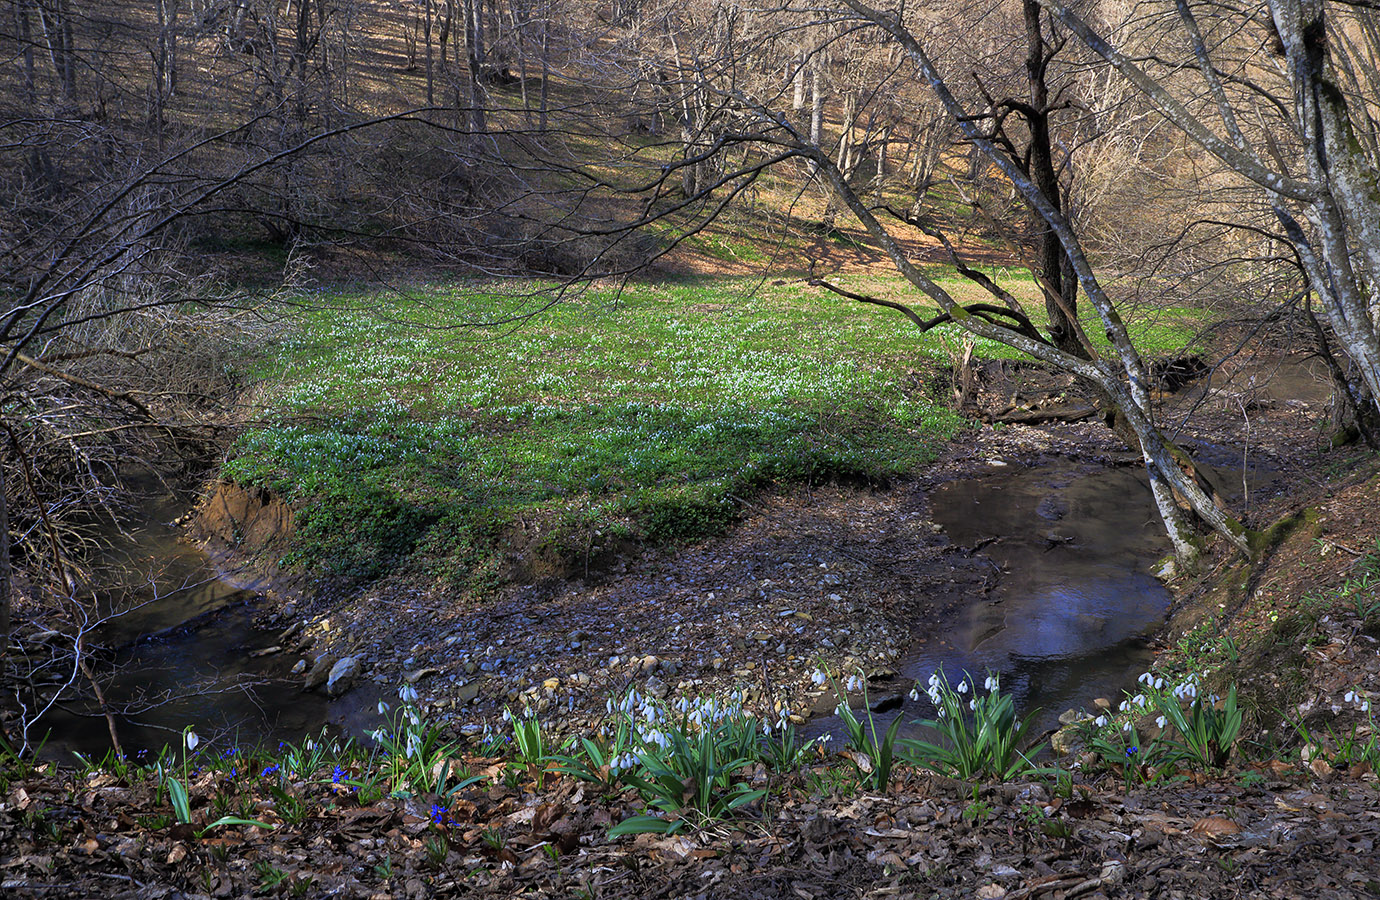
x=1073 y=601
x=182 y=652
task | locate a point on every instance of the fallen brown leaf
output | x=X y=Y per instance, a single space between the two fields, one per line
x=1214 y=828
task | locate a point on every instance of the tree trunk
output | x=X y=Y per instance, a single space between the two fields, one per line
x=23 y=29
x=816 y=102
x=798 y=82
x=6 y=602
x=545 y=72
x=56 y=18
x=6 y=574
x=1061 y=292
x=430 y=13
x=234 y=27
x=847 y=154
x=474 y=61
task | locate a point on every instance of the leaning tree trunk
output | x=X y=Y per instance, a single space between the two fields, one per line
x=6 y=605
x=1121 y=374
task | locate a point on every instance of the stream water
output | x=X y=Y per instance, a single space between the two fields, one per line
x=1065 y=620
x=1074 y=601
x=181 y=652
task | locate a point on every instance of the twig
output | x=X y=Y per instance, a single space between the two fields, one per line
x=77 y=380
x=1083 y=888
x=1054 y=885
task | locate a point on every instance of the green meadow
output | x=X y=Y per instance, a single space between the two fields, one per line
x=415 y=430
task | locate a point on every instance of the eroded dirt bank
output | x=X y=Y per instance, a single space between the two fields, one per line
x=844 y=577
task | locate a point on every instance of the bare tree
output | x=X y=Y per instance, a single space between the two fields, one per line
x=1317 y=175
x=1025 y=159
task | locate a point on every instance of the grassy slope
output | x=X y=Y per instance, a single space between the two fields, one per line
x=641 y=414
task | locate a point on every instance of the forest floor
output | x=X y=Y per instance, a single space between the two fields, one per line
x=1294 y=812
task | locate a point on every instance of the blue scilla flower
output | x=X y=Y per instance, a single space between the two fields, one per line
x=338 y=775
x=1132 y=751
x=268 y=770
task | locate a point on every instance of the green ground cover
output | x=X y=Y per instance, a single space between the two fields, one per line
x=1157 y=331
x=411 y=442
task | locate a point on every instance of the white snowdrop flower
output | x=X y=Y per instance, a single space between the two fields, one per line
x=1126 y=727
x=192 y=740
x=992 y=683
x=383 y=708
x=1365 y=706
x=507 y=715
x=1145 y=678
x=1349 y=696
x=963 y=687
x=415 y=719
x=1124 y=706
x=855 y=683
x=608 y=706
x=914 y=693
x=1138 y=699
x=972 y=704
x=1100 y=721
x=934 y=679
x=1159 y=684
x=407 y=694
x=766 y=728
x=942 y=713
x=818 y=677
x=1159 y=722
